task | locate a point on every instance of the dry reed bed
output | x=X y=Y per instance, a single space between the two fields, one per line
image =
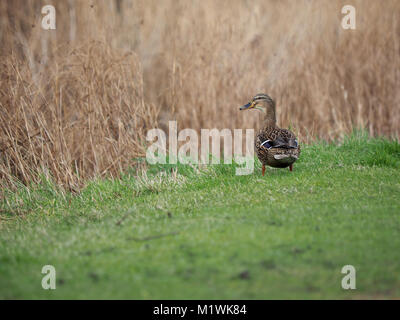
x=326 y=80
x=74 y=108
x=87 y=118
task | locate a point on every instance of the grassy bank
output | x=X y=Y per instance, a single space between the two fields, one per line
x=212 y=234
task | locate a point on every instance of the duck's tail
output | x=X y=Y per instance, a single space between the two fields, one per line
x=286 y=158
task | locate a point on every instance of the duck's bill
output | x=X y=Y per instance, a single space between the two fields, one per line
x=246 y=106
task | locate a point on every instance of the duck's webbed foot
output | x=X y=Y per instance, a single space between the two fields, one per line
x=263 y=170
x=291 y=167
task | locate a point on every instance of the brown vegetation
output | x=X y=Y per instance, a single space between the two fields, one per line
x=76 y=102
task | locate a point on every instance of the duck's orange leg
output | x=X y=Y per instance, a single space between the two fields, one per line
x=291 y=167
x=263 y=170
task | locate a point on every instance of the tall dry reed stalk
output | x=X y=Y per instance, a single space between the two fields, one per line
x=76 y=102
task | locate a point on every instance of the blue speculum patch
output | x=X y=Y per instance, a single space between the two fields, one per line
x=267 y=144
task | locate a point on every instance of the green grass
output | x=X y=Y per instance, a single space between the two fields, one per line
x=210 y=234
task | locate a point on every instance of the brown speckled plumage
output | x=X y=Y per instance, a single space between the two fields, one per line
x=266 y=156
x=274 y=146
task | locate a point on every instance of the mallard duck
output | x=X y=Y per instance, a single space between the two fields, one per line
x=275 y=147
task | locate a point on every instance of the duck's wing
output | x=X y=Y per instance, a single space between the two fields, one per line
x=287 y=139
x=276 y=138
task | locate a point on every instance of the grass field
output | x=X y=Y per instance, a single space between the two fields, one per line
x=212 y=234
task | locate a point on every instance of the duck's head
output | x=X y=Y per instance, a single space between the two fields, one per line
x=261 y=102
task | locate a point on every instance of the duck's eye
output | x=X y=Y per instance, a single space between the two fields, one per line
x=267 y=144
